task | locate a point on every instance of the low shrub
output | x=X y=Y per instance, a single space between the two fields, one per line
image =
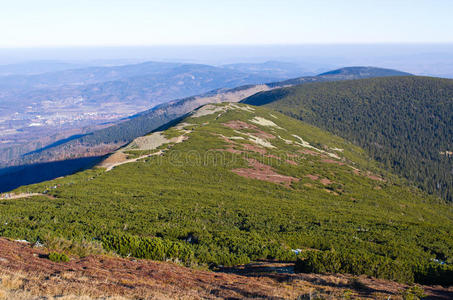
x=58 y=257
x=149 y=248
x=434 y=273
x=358 y=263
x=414 y=292
x=80 y=247
x=223 y=249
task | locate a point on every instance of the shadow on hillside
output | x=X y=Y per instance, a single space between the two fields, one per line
x=283 y=272
x=13 y=177
x=365 y=286
x=57 y=143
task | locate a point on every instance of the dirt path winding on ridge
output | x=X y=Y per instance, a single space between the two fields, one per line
x=147 y=142
x=11 y=196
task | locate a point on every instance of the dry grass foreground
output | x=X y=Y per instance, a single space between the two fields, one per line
x=27 y=273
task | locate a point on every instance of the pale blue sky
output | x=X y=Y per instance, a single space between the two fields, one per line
x=51 y=23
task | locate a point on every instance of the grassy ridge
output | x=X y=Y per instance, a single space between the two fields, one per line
x=190 y=196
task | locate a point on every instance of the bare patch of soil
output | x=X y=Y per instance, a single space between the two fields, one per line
x=250 y=147
x=291 y=162
x=239 y=125
x=325 y=181
x=374 y=177
x=312 y=177
x=232 y=144
x=367 y=174
x=263 y=172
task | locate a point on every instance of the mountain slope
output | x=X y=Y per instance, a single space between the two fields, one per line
x=406 y=123
x=231 y=183
x=149 y=120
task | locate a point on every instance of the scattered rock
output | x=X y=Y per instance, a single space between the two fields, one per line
x=264 y=122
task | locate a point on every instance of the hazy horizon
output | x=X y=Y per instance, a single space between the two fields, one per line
x=420 y=59
x=409 y=35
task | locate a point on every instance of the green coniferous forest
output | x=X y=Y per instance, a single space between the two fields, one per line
x=404 y=123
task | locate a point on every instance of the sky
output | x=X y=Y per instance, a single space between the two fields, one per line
x=62 y=23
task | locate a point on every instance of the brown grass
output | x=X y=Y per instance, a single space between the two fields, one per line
x=240 y=125
x=26 y=273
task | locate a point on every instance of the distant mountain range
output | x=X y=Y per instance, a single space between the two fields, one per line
x=277 y=69
x=35 y=67
x=150 y=82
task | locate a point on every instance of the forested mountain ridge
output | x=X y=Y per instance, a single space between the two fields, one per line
x=346 y=73
x=231 y=183
x=405 y=123
x=364 y=72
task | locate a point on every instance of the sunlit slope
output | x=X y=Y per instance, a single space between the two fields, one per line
x=233 y=183
x=406 y=123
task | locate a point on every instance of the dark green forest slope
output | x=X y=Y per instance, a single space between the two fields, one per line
x=233 y=183
x=405 y=123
